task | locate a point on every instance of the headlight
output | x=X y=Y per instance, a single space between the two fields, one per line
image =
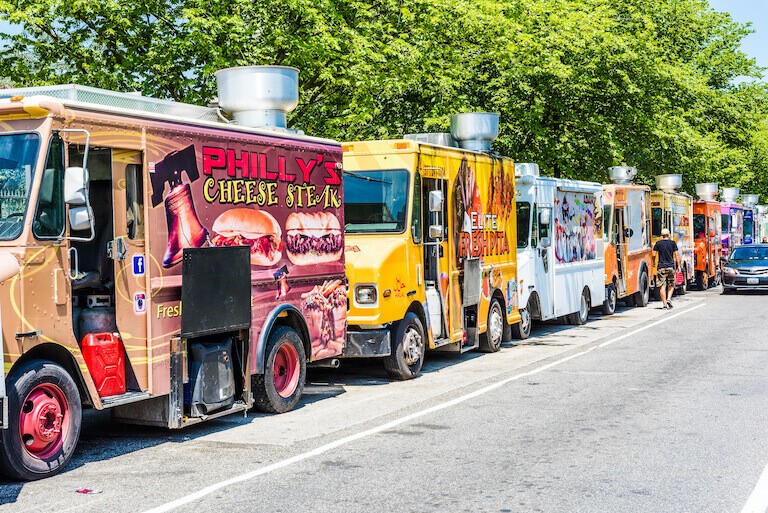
x=731 y=271
x=365 y=294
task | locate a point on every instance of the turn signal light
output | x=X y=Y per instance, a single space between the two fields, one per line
x=401 y=145
x=17 y=98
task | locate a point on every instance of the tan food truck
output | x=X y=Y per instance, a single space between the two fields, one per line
x=628 y=255
x=673 y=210
x=430 y=245
x=113 y=208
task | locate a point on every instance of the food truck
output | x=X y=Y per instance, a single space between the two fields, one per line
x=115 y=207
x=732 y=217
x=761 y=223
x=429 y=234
x=749 y=201
x=627 y=232
x=673 y=210
x=706 y=234
x=560 y=247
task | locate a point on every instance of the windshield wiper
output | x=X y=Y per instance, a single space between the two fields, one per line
x=368 y=178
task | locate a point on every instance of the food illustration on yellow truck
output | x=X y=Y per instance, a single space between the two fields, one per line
x=128 y=204
x=429 y=234
x=628 y=255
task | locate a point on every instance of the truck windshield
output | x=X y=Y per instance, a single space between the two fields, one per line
x=699 y=226
x=725 y=224
x=18 y=153
x=656 y=222
x=376 y=201
x=523 y=224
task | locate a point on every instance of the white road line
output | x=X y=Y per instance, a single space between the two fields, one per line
x=389 y=425
x=758 y=500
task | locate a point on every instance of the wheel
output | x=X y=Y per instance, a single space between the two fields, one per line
x=609 y=305
x=279 y=389
x=702 y=280
x=44 y=413
x=522 y=330
x=643 y=295
x=408 y=348
x=579 y=318
x=727 y=291
x=490 y=341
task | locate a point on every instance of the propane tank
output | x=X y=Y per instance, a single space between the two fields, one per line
x=435 y=311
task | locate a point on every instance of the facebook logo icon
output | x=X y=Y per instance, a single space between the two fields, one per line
x=138 y=265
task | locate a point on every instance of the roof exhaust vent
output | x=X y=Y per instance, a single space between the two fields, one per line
x=438 y=139
x=526 y=169
x=750 y=200
x=762 y=209
x=475 y=131
x=730 y=194
x=622 y=175
x=707 y=191
x=259 y=96
x=670 y=183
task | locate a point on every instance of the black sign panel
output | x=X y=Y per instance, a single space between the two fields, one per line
x=215 y=290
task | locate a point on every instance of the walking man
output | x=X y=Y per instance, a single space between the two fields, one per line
x=667 y=257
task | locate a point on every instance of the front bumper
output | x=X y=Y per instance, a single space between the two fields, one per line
x=367 y=343
x=745 y=282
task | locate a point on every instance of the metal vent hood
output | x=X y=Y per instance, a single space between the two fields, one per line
x=622 y=175
x=707 y=191
x=730 y=194
x=671 y=182
x=475 y=130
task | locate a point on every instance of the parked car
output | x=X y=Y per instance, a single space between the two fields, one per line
x=746 y=268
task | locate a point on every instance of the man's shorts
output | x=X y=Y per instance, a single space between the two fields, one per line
x=667 y=275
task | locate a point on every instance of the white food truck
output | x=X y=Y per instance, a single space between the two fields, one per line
x=561 y=268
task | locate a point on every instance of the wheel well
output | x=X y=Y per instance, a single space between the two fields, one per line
x=589 y=296
x=295 y=321
x=60 y=355
x=500 y=298
x=535 y=309
x=418 y=309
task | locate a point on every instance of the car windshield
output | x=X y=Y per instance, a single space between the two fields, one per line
x=750 y=254
x=523 y=224
x=376 y=201
x=18 y=153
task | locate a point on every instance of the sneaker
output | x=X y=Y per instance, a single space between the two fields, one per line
x=669 y=304
x=664 y=307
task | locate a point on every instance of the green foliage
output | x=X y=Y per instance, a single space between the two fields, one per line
x=580 y=84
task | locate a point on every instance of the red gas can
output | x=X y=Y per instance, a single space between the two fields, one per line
x=105 y=358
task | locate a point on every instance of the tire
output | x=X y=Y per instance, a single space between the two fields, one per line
x=582 y=316
x=702 y=280
x=45 y=415
x=642 y=296
x=279 y=389
x=490 y=341
x=408 y=348
x=522 y=329
x=609 y=305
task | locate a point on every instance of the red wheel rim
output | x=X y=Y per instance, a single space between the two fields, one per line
x=42 y=420
x=286 y=370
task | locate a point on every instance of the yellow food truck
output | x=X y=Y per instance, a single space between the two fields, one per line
x=673 y=210
x=430 y=245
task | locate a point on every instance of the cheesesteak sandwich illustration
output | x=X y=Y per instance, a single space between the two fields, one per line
x=250 y=227
x=313 y=238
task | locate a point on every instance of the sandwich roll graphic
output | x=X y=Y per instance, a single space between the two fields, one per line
x=313 y=238
x=250 y=227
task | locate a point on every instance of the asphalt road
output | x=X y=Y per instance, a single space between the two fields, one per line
x=646 y=410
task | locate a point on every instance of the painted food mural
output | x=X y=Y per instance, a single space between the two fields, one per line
x=575 y=236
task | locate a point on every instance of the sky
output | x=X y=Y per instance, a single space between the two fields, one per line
x=753 y=11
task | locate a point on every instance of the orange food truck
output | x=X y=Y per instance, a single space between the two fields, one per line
x=628 y=255
x=707 y=236
x=116 y=210
x=673 y=210
x=430 y=245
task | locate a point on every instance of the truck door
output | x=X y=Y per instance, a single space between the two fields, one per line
x=545 y=256
x=436 y=270
x=129 y=255
x=622 y=243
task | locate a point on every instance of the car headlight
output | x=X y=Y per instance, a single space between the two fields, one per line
x=730 y=271
x=365 y=294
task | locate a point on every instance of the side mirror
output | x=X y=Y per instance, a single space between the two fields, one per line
x=75 y=185
x=436 y=231
x=435 y=201
x=545 y=216
x=545 y=242
x=80 y=218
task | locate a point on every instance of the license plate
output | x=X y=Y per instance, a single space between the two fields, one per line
x=753 y=281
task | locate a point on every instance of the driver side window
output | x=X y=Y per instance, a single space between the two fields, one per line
x=49 y=216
